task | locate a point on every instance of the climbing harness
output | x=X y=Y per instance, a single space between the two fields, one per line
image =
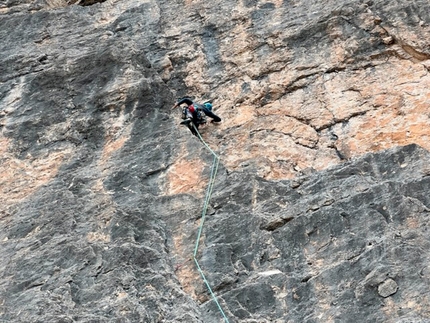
x=214 y=170
x=187 y=114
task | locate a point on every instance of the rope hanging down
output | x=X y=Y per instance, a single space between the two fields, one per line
x=214 y=170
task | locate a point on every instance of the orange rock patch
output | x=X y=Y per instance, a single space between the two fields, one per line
x=21 y=177
x=185 y=177
x=112 y=146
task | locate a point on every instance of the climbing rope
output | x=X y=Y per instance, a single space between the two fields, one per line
x=214 y=170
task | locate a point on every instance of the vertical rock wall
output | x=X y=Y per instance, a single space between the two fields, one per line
x=302 y=84
x=85 y=141
x=101 y=190
x=348 y=244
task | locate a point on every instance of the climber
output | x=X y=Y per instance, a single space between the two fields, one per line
x=191 y=113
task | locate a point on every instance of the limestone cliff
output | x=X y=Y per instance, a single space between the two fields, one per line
x=320 y=209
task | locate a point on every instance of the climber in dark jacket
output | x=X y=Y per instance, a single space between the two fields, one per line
x=192 y=113
x=205 y=107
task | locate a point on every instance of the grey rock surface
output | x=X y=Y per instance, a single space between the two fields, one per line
x=84 y=139
x=387 y=288
x=101 y=190
x=330 y=249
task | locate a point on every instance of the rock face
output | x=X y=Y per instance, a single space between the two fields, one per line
x=320 y=208
x=304 y=84
x=343 y=245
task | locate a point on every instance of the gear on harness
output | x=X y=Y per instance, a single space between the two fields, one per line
x=194 y=114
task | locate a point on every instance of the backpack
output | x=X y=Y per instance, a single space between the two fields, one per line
x=208 y=105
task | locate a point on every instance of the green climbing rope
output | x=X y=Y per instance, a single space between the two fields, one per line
x=209 y=190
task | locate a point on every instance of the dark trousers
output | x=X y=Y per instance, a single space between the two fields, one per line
x=210 y=114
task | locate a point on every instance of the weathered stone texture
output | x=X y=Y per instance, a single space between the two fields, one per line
x=345 y=245
x=101 y=190
x=84 y=141
x=304 y=84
